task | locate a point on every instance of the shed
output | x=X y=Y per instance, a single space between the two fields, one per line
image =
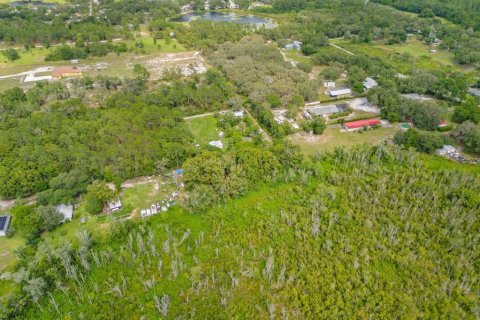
x=329 y=84
x=4 y=224
x=115 y=205
x=370 y=83
x=66 y=210
x=216 y=144
x=474 y=92
x=355 y=125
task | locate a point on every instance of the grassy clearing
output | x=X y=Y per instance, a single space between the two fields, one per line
x=7 y=250
x=204 y=129
x=423 y=57
x=332 y=137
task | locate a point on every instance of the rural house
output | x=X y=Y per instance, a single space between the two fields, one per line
x=360 y=124
x=66 y=72
x=66 y=210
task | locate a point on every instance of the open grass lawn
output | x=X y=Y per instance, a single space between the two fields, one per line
x=423 y=57
x=7 y=250
x=204 y=129
x=332 y=137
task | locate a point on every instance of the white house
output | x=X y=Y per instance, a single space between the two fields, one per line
x=115 y=205
x=238 y=114
x=216 y=144
x=370 y=83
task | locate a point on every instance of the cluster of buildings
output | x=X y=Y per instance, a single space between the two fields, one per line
x=158 y=207
x=65 y=209
x=336 y=93
x=451 y=153
x=314 y=109
x=295 y=45
x=280 y=116
x=56 y=73
x=4 y=224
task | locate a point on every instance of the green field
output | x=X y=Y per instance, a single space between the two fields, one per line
x=204 y=129
x=7 y=250
x=421 y=55
x=333 y=137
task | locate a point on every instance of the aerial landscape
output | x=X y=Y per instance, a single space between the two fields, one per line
x=239 y=159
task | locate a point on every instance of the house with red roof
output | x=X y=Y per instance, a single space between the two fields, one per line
x=360 y=124
x=65 y=72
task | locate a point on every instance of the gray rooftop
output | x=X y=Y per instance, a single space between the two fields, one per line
x=66 y=210
x=474 y=92
x=326 y=110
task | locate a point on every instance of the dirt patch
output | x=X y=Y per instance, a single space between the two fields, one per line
x=187 y=63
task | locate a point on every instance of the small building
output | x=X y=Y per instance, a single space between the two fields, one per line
x=370 y=83
x=445 y=150
x=443 y=124
x=66 y=72
x=360 y=124
x=66 y=210
x=4 y=224
x=295 y=45
x=329 y=84
x=340 y=92
x=238 y=114
x=474 y=92
x=115 y=205
x=217 y=144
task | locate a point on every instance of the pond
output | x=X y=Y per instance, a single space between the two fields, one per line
x=227 y=17
x=32 y=3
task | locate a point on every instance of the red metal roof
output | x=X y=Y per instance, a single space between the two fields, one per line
x=362 y=123
x=60 y=71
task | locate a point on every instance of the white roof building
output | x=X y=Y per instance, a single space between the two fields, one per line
x=340 y=92
x=370 y=83
x=115 y=205
x=216 y=144
x=66 y=210
x=447 y=149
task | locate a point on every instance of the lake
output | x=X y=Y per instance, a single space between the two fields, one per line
x=227 y=17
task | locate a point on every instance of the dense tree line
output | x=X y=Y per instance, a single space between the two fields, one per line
x=59 y=147
x=425 y=115
x=110 y=20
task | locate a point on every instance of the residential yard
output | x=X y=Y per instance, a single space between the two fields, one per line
x=204 y=129
x=422 y=56
x=7 y=251
x=332 y=137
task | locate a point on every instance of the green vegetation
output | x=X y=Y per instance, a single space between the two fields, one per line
x=332 y=138
x=204 y=129
x=288 y=239
x=273 y=225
